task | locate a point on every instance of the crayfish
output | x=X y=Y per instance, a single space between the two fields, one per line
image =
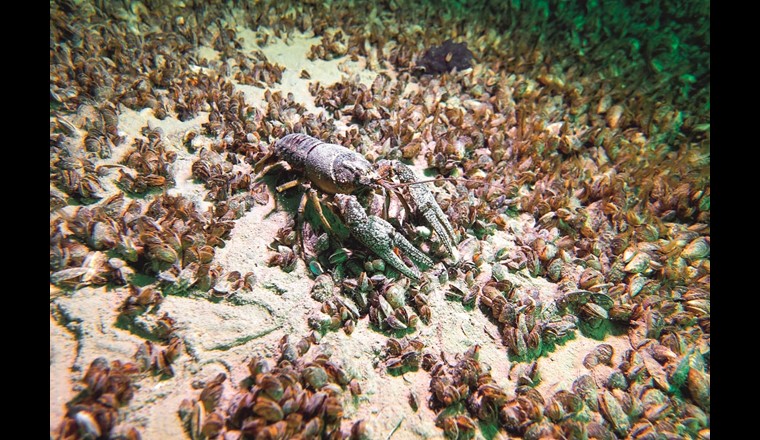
x=335 y=169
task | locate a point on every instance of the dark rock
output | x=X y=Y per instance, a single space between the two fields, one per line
x=443 y=58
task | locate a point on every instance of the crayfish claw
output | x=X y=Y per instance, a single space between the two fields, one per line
x=394 y=260
x=414 y=254
x=425 y=202
x=437 y=220
x=380 y=237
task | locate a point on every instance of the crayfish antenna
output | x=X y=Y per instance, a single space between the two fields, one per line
x=389 y=187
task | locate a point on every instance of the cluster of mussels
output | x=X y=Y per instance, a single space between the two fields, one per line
x=526 y=327
x=150 y=356
x=392 y=305
x=293 y=398
x=168 y=237
x=639 y=399
x=73 y=168
x=158 y=359
x=402 y=355
x=332 y=45
x=147 y=165
x=93 y=412
x=256 y=70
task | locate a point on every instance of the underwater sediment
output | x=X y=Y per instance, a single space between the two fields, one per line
x=508 y=238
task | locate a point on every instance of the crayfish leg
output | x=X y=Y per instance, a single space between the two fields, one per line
x=314 y=198
x=288 y=185
x=310 y=195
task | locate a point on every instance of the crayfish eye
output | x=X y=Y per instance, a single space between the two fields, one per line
x=365 y=180
x=356 y=167
x=357 y=172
